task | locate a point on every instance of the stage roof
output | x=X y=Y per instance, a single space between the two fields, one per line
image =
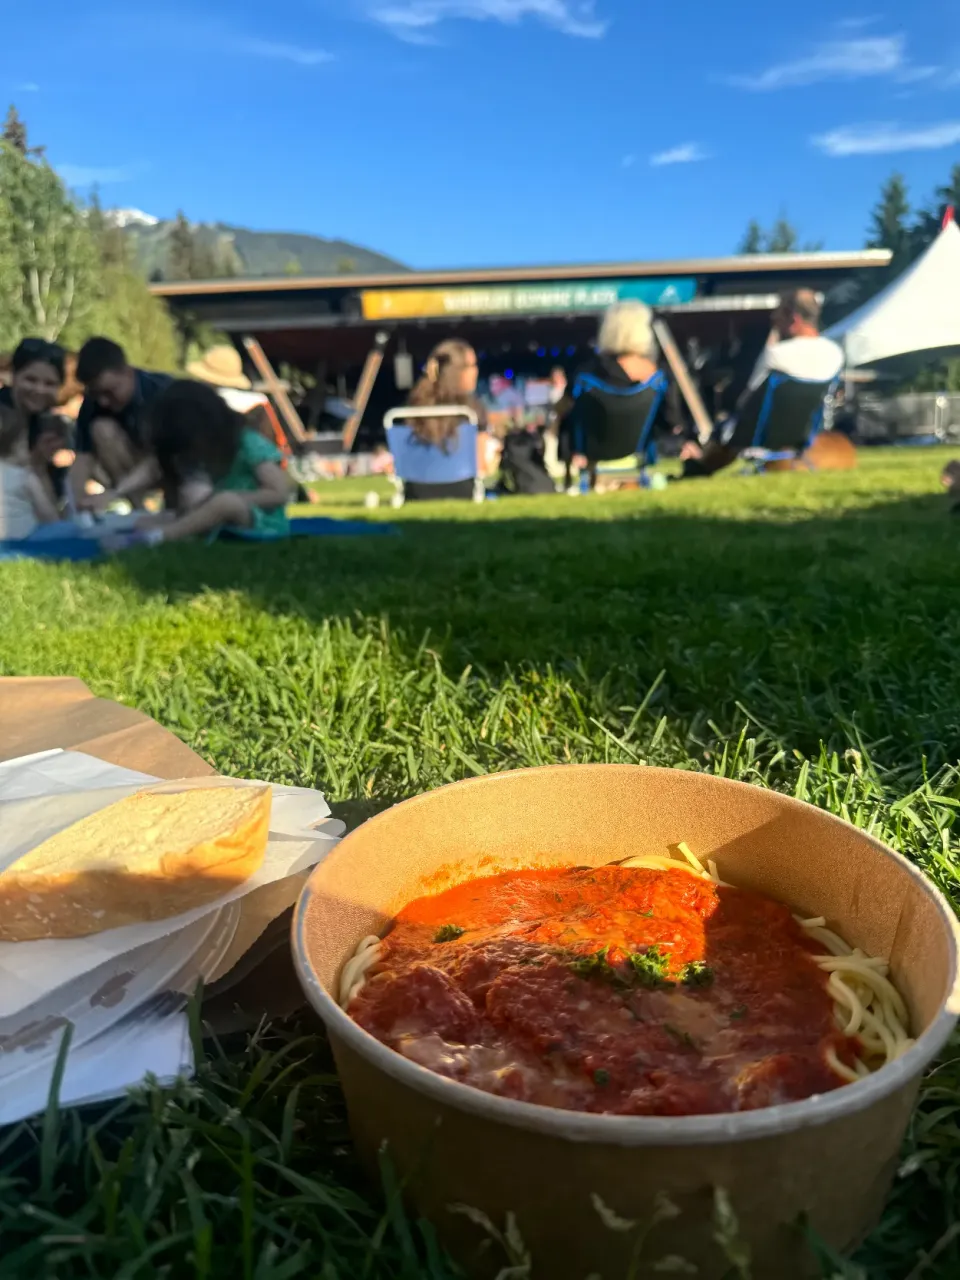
x=300 y=319
x=820 y=264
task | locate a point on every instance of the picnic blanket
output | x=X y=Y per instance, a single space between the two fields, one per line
x=76 y=547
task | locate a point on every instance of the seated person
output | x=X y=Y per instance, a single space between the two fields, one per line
x=37 y=370
x=24 y=501
x=626 y=358
x=221 y=475
x=110 y=422
x=449 y=378
x=795 y=348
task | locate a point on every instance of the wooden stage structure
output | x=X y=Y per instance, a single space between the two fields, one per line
x=344 y=329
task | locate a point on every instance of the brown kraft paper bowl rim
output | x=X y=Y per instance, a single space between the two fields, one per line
x=641 y=1131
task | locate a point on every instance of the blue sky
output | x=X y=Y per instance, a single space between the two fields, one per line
x=455 y=132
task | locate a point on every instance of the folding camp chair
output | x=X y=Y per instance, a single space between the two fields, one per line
x=778 y=420
x=612 y=424
x=415 y=462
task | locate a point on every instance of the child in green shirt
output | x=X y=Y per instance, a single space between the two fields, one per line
x=202 y=447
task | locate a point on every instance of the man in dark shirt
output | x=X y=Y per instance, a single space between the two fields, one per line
x=110 y=425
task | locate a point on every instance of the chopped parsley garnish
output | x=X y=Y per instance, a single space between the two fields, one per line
x=639 y=968
x=594 y=966
x=448 y=933
x=696 y=974
x=601 y=1078
x=650 y=966
x=739 y=1012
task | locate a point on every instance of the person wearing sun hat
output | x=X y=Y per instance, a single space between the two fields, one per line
x=220 y=367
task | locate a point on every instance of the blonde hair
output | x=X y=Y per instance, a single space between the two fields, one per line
x=627 y=330
x=440 y=385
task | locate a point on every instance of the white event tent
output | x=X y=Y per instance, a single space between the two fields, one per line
x=919 y=311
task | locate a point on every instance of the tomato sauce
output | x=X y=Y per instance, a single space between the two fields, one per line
x=615 y=990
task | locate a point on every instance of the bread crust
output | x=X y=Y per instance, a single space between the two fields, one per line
x=71 y=904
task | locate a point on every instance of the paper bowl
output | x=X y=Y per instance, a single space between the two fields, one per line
x=828 y=1160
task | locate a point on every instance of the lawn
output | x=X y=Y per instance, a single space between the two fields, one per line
x=796 y=631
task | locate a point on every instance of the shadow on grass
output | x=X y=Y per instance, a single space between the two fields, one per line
x=810 y=619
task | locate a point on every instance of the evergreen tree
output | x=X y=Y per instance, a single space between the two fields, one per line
x=181 y=253
x=889 y=227
x=782 y=237
x=753 y=238
x=930 y=220
x=14 y=131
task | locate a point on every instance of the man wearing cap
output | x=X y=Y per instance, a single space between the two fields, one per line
x=110 y=424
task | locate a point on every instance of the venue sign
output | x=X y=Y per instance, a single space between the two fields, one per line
x=521 y=299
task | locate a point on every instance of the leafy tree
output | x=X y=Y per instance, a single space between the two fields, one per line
x=346 y=266
x=292 y=267
x=65 y=270
x=48 y=285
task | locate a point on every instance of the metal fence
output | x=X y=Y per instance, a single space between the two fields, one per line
x=908 y=417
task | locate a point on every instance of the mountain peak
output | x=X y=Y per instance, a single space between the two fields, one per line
x=131 y=218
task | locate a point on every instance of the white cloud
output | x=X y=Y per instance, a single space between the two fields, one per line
x=915 y=75
x=858 y=24
x=28 y=86
x=416 y=20
x=82 y=175
x=886 y=139
x=687 y=153
x=834 y=60
x=280 y=51
x=628 y=162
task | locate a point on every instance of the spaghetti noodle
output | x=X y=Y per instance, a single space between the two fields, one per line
x=502 y=1009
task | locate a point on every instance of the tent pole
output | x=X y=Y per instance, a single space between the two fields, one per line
x=685 y=382
x=274 y=389
x=368 y=377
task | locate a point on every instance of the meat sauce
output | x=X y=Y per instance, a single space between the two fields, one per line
x=623 y=991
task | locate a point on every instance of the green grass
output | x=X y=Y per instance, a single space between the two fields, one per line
x=796 y=631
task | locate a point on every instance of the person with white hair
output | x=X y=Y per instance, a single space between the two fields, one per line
x=625 y=364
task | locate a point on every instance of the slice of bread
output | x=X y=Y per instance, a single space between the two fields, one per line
x=150 y=856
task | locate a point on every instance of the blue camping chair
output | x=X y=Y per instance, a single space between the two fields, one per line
x=610 y=423
x=778 y=420
x=417 y=463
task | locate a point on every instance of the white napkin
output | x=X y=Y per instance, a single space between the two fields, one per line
x=106 y=1067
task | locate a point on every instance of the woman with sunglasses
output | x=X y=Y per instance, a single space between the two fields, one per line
x=37 y=379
